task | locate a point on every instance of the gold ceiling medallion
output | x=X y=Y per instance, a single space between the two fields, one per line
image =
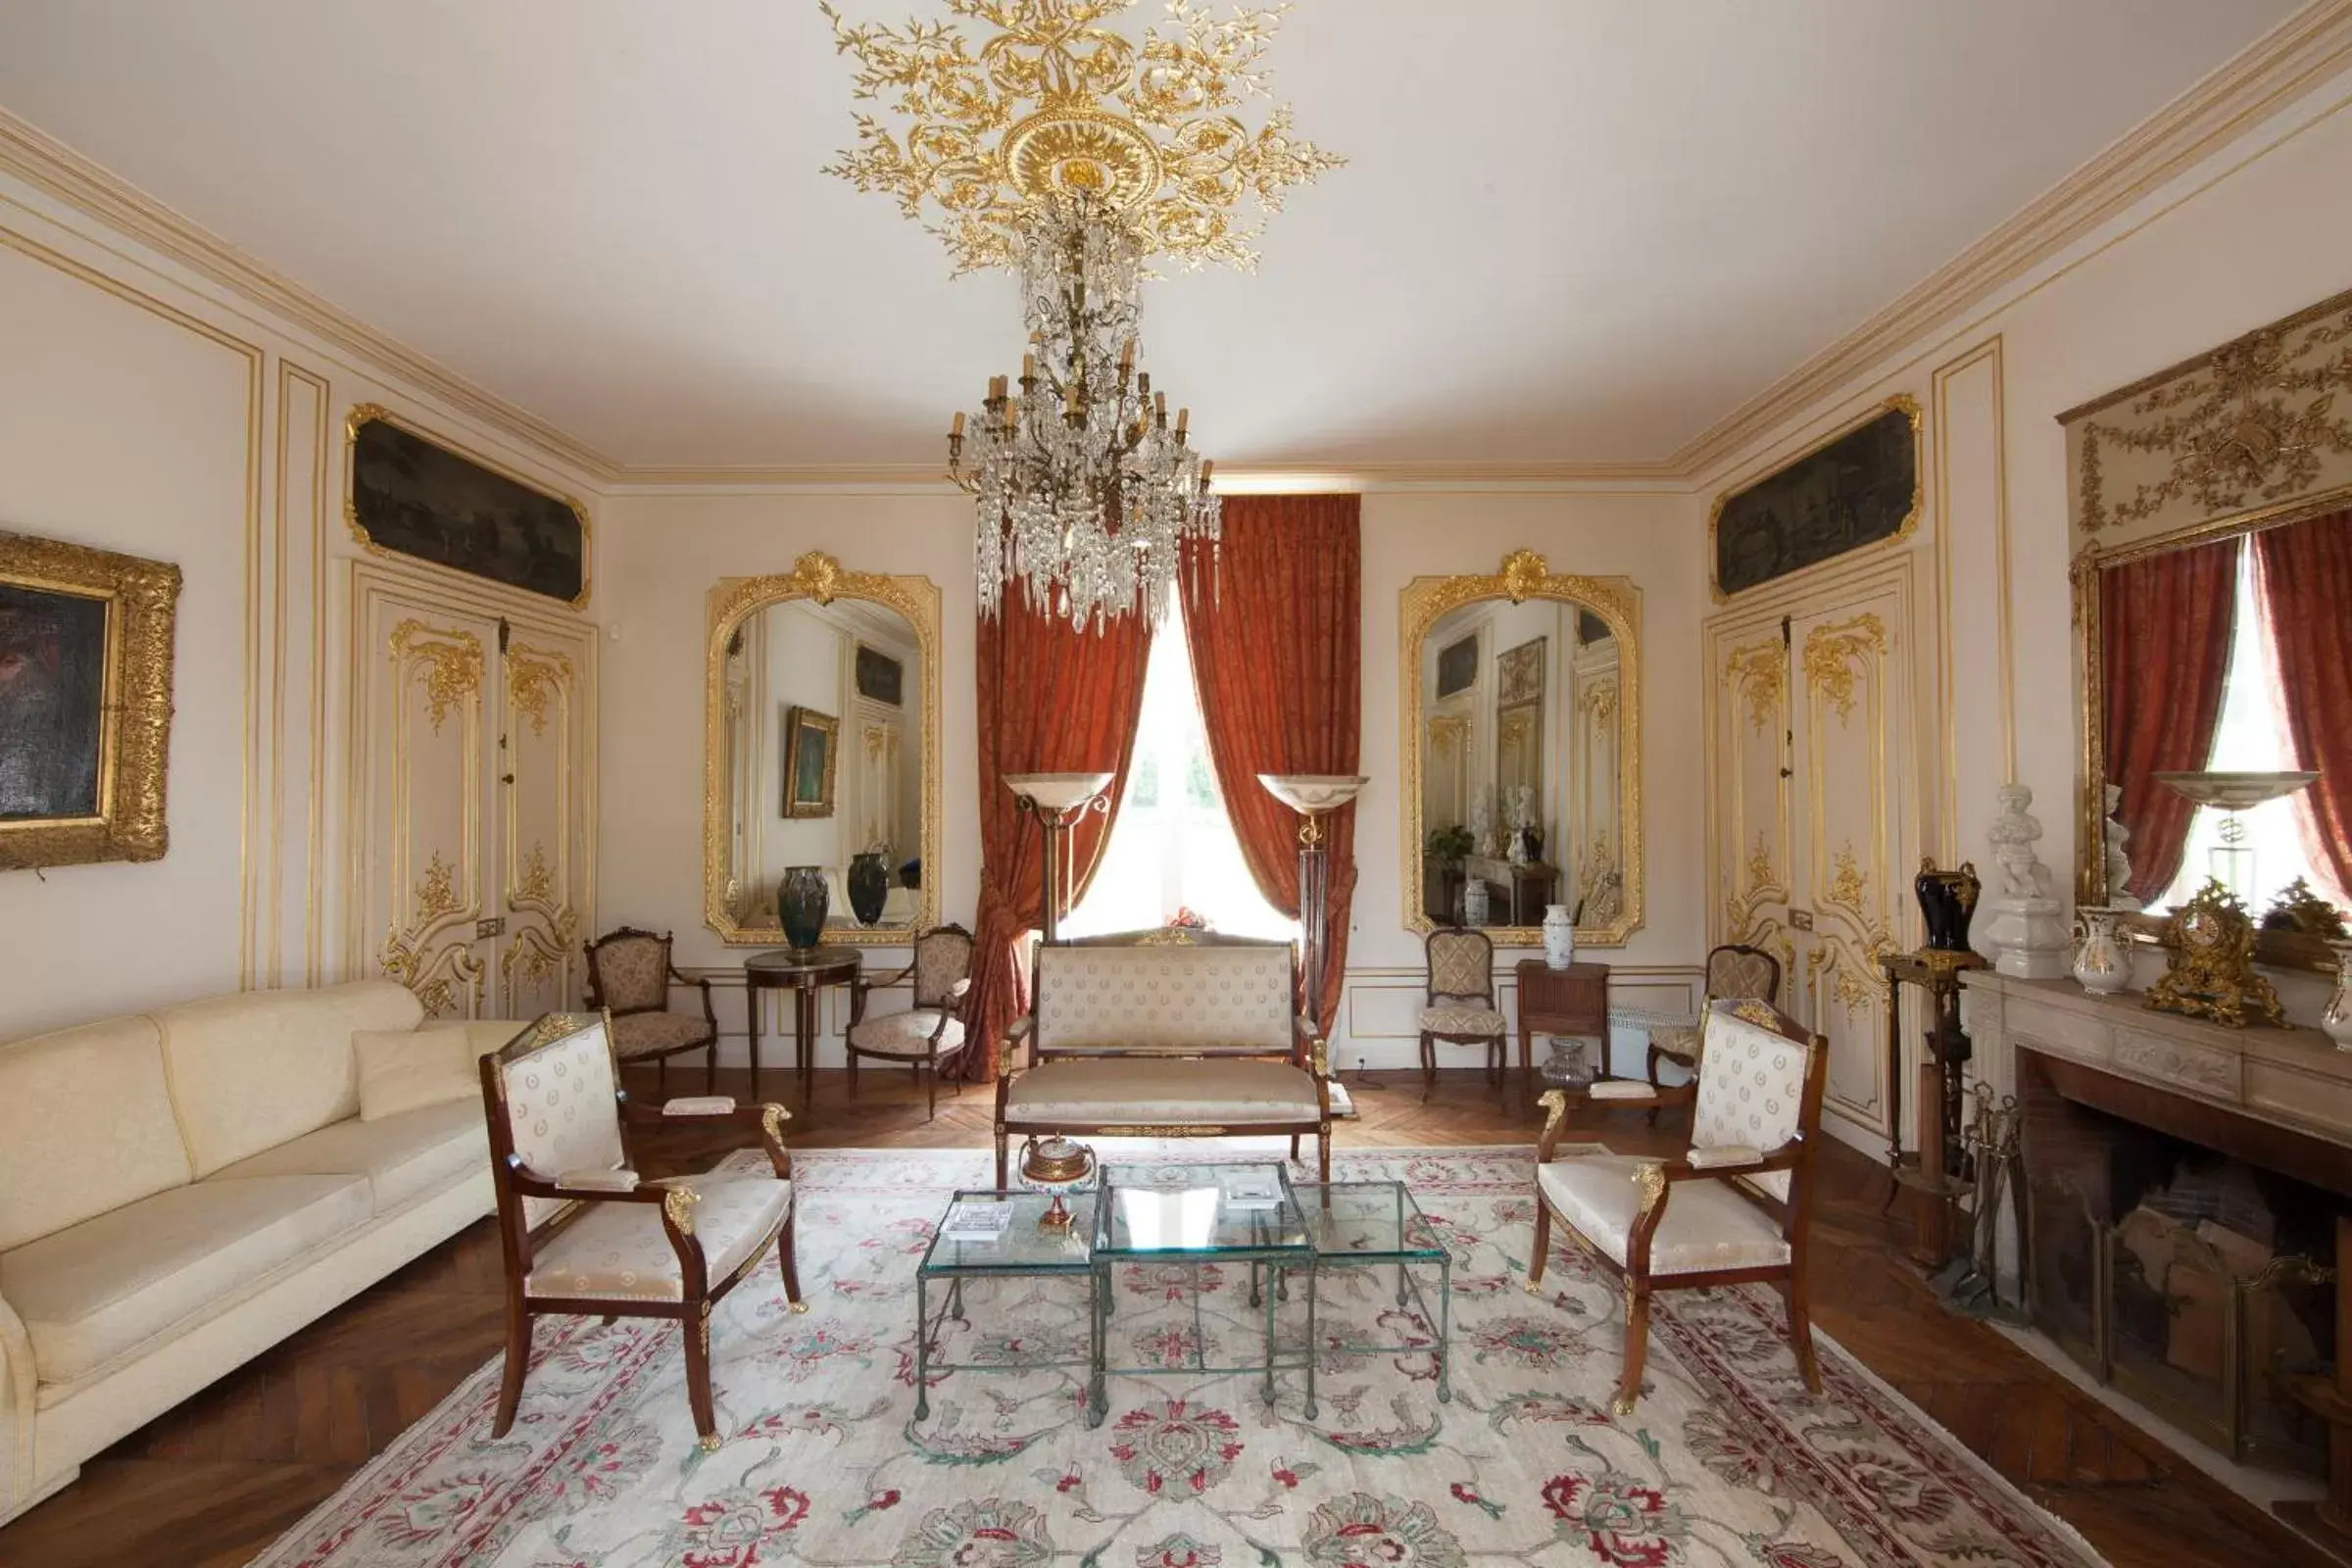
x=1052 y=103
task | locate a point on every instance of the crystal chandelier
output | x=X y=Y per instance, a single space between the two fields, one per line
x=1083 y=489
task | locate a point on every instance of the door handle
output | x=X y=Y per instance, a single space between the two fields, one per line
x=495 y=926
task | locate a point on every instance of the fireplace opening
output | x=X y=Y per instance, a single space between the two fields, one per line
x=2193 y=1280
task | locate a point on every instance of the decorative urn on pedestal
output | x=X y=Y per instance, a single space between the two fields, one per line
x=2102 y=963
x=801 y=907
x=1559 y=936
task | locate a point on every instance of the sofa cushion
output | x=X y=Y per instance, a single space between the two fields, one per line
x=1176 y=1000
x=1708 y=1225
x=403 y=1069
x=618 y=1251
x=403 y=1158
x=1143 y=1091
x=252 y=1071
x=102 y=1288
x=85 y=1125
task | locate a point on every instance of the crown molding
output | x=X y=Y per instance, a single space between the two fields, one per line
x=2306 y=48
x=1538 y=478
x=48 y=165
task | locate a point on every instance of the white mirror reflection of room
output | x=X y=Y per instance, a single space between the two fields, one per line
x=824 y=732
x=1520 y=751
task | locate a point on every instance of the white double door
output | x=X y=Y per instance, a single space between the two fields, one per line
x=473 y=799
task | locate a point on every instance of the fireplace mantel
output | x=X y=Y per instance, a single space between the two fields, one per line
x=2294 y=1079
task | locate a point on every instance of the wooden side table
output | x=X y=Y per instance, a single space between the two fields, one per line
x=806 y=975
x=1572 y=1002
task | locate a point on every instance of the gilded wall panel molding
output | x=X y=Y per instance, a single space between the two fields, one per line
x=1832 y=658
x=1759 y=673
x=450 y=662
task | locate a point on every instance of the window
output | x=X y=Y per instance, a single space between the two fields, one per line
x=2252 y=738
x=1173 y=846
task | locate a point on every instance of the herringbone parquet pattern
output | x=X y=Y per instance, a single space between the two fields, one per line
x=218 y=1477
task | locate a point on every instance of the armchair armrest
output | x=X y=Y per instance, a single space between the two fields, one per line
x=1724 y=1157
x=861 y=982
x=699 y=1106
x=604 y=1182
x=955 y=991
x=769 y=1119
x=701 y=984
x=1016 y=1036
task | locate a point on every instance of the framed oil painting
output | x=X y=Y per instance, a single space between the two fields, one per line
x=412 y=496
x=1457 y=666
x=85 y=702
x=1859 y=487
x=809 y=761
x=1519 y=674
x=880 y=678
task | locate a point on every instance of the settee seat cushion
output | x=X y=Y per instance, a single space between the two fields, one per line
x=403 y=1158
x=618 y=1251
x=1122 y=1090
x=100 y=1290
x=1708 y=1225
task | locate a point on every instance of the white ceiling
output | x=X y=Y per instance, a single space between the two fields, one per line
x=1571 y=231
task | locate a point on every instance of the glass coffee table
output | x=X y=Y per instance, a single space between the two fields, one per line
x=1367 y=1224
x=1023 y=1249
x=1185 y=1215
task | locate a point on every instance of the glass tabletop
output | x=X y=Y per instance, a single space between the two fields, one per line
x=1372 y=1221
x=1024 y=1246
x=1199 y=1211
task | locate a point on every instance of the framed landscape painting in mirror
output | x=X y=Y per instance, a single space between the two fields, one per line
x=1522 y=751
x=822 y=749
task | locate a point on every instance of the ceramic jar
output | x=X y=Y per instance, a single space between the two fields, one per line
x=2102 y=963
x=1559 y=936
x=800 y=904
x=2337 y=1019
x=1474 y=901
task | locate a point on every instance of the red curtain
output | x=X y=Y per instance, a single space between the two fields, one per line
x=1275 y=620
x=2165 y=627
x=1051 y=701
x=2306 y=576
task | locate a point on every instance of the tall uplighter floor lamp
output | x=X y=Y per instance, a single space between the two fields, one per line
x=1313 y=796
x=1060 y=802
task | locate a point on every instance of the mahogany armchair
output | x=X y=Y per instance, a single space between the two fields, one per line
x=585 y=1236
x=1734 y=1208
x=630 y=979
x=928 y=1034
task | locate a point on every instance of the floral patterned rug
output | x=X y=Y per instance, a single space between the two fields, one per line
x=1726 y=1460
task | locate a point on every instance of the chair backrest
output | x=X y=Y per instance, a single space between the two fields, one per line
x=628 y=971
x=943 y=956
x=1462 y=965
x=552 y=1100
x=1735 y=970
x=1229 y=998
x=1759 y=1083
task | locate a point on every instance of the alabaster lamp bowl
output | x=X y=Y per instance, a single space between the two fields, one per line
x=2234 y=792
x=1058 y=792
x=1312 y=793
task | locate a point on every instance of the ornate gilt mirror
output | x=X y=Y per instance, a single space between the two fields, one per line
x=821 y=747
x=2212 y=513
x=1522 y=746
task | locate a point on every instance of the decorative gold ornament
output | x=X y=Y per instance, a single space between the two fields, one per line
x=1847 y=886
x=1650 y=1177
x=1831 y=652
x=452 y=661
x=2211 y=943
x=535 y=676
x=678 y=1204
x=1760 y=672
x=1051 y=104
x=141 y=599
x=2298 y=907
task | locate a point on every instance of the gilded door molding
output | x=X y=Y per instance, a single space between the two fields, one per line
x=433 y=817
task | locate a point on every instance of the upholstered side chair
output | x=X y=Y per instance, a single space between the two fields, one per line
x=1458 y=1007
x=929 y=1033
x=1736 y=972
x=1734 y=1208
x=630 y=976
x=585 y=1236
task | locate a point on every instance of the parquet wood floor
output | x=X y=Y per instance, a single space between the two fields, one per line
x=215 y=1480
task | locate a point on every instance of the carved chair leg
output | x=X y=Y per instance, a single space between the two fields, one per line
x=787 y=1264
x=851 y=1057
x=1001 y=1154
x=930 y=1091
x=1294 y=1146
x=661 y=1078
x=1636 y=1346
x=1429 y=1066
x=1541 y=1254
x=1800 y=1336
x=697 y=1330
x=519 y=1362
x=1653 y=1083
x=711 y=1068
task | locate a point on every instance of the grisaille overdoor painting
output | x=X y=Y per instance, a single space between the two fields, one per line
x=1858 y=488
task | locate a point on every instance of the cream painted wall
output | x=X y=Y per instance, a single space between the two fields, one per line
x=143 y=409
x=665 y=550
x=2254 y=232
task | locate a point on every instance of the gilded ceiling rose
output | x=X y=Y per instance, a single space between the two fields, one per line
x=1048 y=103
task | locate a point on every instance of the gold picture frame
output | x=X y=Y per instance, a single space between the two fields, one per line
x=54 y=593
x=807 y=778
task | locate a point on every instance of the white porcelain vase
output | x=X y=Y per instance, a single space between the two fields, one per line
x=1559 y=936
x=1474 y=901
x=2102 y=963
x=2337 y=1019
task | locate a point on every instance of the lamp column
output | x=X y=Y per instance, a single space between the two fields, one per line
x=1059 y=801
x=1313 y=796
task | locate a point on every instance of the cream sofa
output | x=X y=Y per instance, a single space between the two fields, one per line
x=1165 y=1034
x=183 y=1188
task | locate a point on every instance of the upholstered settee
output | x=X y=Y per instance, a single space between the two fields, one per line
x=183 y=1188
x=1165 y=1034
